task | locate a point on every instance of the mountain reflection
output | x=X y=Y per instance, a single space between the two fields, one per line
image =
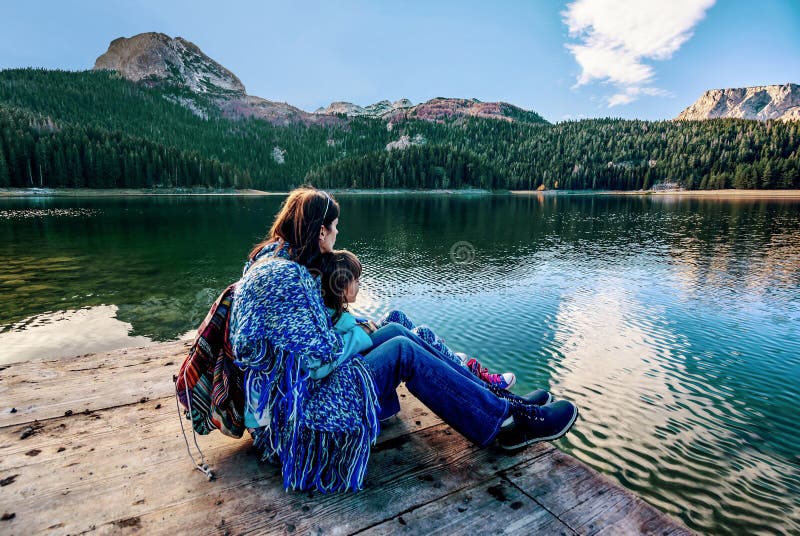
x=163 y=260
x=672 y=322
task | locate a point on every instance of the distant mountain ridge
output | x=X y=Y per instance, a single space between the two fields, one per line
x=98 y=129
x=780 y=102
x=157 y=113
x=379 y=109
x=437 y=109
x=156 y=58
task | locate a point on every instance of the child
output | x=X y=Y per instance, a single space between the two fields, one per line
x=341 y=273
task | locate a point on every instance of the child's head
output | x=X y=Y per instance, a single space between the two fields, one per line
x=340 y=272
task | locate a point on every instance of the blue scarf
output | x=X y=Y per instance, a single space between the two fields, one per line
x=319 y=431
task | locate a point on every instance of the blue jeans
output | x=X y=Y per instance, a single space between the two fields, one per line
x=447 y=389
x=423 y=332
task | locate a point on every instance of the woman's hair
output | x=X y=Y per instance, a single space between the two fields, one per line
x=298 y=223
x=338 y=269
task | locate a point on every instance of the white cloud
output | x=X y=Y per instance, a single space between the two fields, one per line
x=631 y=93
x=616 y=36
x=620 y=98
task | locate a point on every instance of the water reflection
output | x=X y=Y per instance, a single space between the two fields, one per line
x=66 y=334
x=672 y=322
x=650 y=411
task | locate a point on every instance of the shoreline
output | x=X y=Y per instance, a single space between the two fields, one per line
x=712 y=194
x=144 y=192
x=400 y=191
x=126 y=192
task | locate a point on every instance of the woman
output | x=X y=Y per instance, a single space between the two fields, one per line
x=315 y=412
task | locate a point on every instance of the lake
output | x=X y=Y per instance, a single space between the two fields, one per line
x=673 y=323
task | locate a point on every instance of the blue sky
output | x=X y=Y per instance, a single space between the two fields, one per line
x=645 y=59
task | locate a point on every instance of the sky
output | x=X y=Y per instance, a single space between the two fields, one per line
x=645 y=59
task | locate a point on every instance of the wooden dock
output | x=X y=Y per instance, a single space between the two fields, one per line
x=93 y=444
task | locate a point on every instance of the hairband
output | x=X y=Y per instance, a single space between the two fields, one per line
x=327 y=205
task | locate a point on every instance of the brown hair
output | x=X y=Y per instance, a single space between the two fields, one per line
x=298 y=222
x=339 y=269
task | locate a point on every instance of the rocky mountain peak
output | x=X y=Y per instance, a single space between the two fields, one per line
x=152 y=55
x=342 y=108
x=437 y=109
x=380 y=109
x=156 y=58
x=758 y=102
x=442 y=109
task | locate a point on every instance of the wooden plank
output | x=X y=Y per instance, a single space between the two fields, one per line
x=153 y=484
x=46 y=389
x=122 y=467
x=403 y=475
x=490 y=507
x=132 y=458
x=587 y=501
x=155 y=421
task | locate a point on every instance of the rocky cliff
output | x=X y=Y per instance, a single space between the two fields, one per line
x=156 y=58
x=379 y=109
x=438 y=109
x=759 y=102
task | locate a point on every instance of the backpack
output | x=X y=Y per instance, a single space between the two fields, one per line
x=209 y=386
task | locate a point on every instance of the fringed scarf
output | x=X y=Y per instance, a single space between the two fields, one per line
x=320 y=432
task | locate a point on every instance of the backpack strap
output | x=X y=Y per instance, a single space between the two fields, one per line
x=202 y=465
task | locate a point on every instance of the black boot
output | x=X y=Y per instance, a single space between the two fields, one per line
x=532 y=424
x=539 y=397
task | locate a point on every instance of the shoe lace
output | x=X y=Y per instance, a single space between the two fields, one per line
x=495 y=379
x=527 y=412
x=474 y=365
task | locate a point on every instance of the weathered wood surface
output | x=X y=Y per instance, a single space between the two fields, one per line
x=43 y=390
x=94 y=445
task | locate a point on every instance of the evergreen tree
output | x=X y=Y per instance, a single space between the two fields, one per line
x=99 y=130
x=768 y=175
x=5 y=176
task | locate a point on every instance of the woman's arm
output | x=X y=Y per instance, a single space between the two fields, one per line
x=355 y=340
x=277 y=309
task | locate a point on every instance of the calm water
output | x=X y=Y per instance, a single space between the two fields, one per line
x=673 y=324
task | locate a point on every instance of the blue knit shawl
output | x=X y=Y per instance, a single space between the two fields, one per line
x=320 y=431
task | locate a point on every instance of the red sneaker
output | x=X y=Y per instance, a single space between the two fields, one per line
x=506 y=380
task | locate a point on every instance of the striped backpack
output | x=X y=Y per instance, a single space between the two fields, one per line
x=209 y=385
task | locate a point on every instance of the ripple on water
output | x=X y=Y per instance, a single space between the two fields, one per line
x=15 y=214
x=672 y=325
x=606 y=345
